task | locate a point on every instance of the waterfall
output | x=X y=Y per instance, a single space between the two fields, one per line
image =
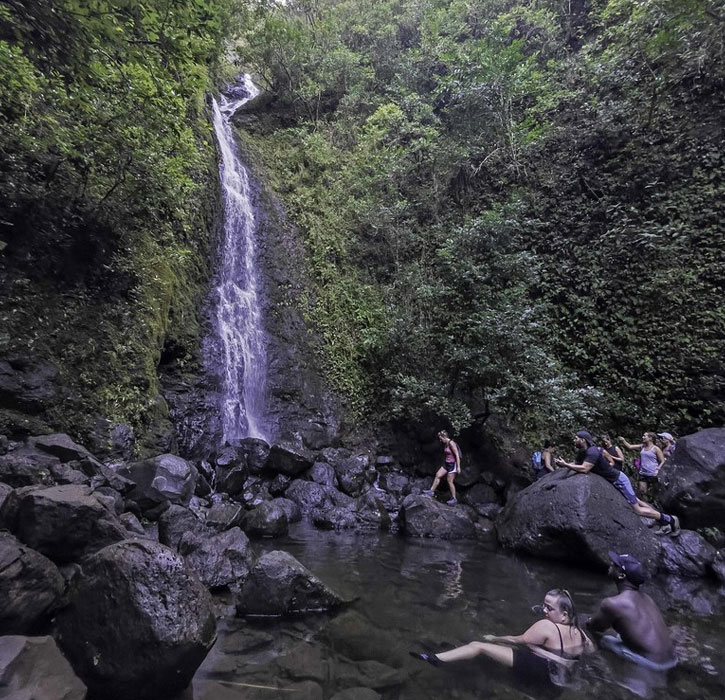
x=238 y=313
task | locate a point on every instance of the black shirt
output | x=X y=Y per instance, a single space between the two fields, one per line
x=602 y=467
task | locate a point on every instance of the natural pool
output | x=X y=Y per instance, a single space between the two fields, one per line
x=431 y=591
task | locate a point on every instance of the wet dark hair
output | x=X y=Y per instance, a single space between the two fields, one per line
x=444 y=433
x=566 y=604
x=549 y=443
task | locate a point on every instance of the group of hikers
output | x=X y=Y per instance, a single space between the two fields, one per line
x=546 y=651
x=607 y=461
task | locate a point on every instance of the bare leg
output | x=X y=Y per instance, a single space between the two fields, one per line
x=500 y=654
x=439 y=475
x=645 y=509
x=451 y=486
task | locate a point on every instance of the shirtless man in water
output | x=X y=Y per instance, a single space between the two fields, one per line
x=643 y=637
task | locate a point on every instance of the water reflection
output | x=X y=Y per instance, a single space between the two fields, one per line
x=435 y=593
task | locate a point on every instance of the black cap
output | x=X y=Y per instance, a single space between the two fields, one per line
x=587 y=436
x=633 y=570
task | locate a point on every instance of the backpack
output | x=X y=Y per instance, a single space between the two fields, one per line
x=536 y=464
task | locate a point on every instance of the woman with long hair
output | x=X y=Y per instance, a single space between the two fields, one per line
x=542 y=655
x=650 y=460
x=451 y=467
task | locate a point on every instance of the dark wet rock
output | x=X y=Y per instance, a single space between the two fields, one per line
x=161 y=480
x=395 y=483
x=5 y=491
x=338 y=498
x=369 y=674
x=480 y=494
x=279 y=585
x=334 y=518
x=231 y=481
x=374 y=507
x=32 y=668
x=110 y=498
x=4 y=444
x=288 y=460
x=18 y=425
x=27 y=385
x=218 y=559
x=323 y=474
x=355 y=637
x=229 y=457
x=256 y=491
x=203 y=487
x=266 y=520
x=132 y=524
x=334 y=455
x=485 y=529
x=26 y=466
x=718 y=567
x=304 y=662
x=356 y=694
x=697 y=595
x=688 y=555
x=30 y=587
x=307 y=495
x=423 y=516
x=279 y=484
x=256 y=453
x=693 y=479
x=488 y=510
x=110 y=477
x=291 y=509
x=352 y=474
x=62 y=522
x=62 y=446
x=176 y=521
x=384 y=461
x=224 y=515
x=65 y=474
x=577 y=518
x=162 y=622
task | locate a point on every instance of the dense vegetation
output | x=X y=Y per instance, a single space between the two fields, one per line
x=510 y=207
x=105 y=155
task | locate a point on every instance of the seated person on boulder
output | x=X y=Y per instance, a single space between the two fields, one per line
x=642 y=635
x=593 y=459
x=543 y=655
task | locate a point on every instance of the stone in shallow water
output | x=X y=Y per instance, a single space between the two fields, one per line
x=279 y=585
x=32 y=668
x=138 y=622
x=424 y=516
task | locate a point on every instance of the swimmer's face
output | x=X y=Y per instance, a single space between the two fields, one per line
x=552 y=611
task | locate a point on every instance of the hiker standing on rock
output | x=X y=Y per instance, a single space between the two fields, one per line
x=650 y=460
x=451 y=467
x=593 y=459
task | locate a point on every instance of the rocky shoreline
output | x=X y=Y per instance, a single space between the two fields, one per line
x=117 y=561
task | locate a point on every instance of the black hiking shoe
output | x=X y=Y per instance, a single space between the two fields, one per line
x=432 y=659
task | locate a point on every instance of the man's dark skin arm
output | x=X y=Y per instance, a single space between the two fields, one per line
x=602 y=619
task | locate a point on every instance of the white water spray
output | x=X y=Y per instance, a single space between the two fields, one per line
x=238 y=314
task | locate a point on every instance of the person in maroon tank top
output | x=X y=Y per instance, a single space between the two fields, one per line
x=451 y=467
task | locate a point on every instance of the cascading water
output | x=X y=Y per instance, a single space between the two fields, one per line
x=238 y=312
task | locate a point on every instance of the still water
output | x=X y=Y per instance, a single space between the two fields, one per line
x=427 y=592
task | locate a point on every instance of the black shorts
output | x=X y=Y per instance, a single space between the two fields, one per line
x=531 y=668
x=450 y=467
x=648 y=479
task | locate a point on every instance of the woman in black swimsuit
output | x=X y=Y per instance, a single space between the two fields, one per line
x=542 y=654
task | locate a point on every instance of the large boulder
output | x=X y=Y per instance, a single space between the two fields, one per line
x=5 y=491
x=30 y=586
x=62 y=522
x=577 y=518
x=175 y=522
x=307 y=495
x=27 y=467
x=289 y=460
x=224 y=515
x=32 y=668
x=352 y=474
x=256 y=453
x=218 y=559
x=423 y=516
x=266 y=520
x=279 y=585
x=138 y=622
x=62 y=446
x=688 y=555
x=693 y=479
x=162 y=479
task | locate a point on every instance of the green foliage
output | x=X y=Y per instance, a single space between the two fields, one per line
x=526 y=198
x=105 y=153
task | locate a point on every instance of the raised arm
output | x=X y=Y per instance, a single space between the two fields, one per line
x=602 y=619
x=629 y=445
